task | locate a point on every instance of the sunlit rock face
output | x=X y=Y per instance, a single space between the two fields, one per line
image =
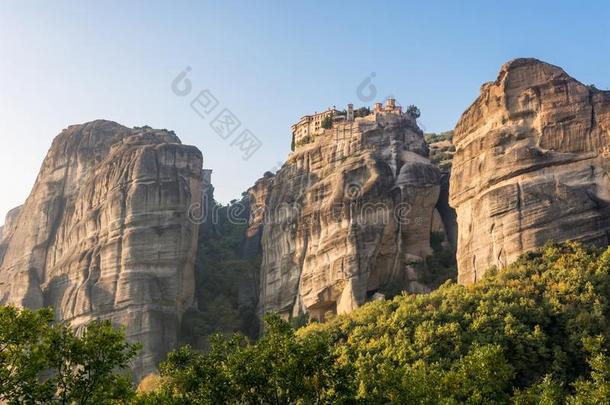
x=105 y=234
x=531 y=165
x=347 y=217
x=9 y=224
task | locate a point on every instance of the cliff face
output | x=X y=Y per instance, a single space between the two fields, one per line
x=348 y=215
x=531 y=165
x=105 y=234
x=9 y=225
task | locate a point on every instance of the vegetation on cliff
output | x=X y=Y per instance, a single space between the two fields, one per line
x=226 y=289
x=432 y=137
x=441 y=149
x=413 y=111
x=327 y=122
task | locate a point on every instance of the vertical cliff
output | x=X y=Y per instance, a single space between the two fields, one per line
x=8 y=227
x=105 y=234
x=531 y=165
x=349 y=215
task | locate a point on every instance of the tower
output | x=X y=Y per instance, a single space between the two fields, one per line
x=350 y=112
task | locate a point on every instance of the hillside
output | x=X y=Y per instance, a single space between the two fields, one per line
x=441 y=149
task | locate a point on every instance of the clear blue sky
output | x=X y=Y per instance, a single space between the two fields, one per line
x=64 y=62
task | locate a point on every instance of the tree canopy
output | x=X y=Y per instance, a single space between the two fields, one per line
x=535 y=332
x=44 y=362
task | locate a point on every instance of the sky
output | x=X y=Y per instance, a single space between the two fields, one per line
x=268 y=63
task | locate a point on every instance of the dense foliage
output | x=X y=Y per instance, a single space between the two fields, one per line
x=43 y=362
x=413 y=111
x=327 y=122
x=535 y=332
x=362 y=112
x=432 y=137
x=441 y=149
x=278 y=369
x=226 y=280
x=307 y=139
x=441 y=265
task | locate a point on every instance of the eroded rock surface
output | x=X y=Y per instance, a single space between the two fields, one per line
x=105 y=234
x=9 y=224
x=348 y=216
x=531 y=165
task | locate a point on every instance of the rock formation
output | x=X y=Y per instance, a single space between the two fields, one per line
x=348 y=216
x=531 y=165
x=105 y=234
x=9 y=224
x=257 y=204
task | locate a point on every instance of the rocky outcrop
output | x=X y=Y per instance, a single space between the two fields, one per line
x=347 y=217
x=105 y=234
x=9 y=224
x=257 y=205
x=531 y=165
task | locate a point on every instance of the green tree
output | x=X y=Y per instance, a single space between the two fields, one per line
x=23 y=354
x=595 y=389
x=413 y=111
x=362 y=112
x=277 y=369
x=432 y=137
x=45 y=362
x=327 y=122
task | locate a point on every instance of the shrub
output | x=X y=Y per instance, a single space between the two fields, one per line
x=434 y=137
x=278 y=369
x=362 y=112
x=327 y=122
x=413 y=111
x=305 y=140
